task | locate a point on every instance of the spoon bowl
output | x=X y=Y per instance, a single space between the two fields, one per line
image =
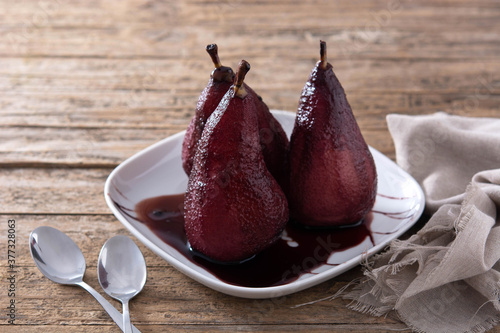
x=62 y=261
x=57 y=256
x=121 y=270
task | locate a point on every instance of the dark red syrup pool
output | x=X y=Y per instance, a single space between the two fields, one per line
x=298 y=252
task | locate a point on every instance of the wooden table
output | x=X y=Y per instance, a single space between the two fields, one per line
x=86 y=84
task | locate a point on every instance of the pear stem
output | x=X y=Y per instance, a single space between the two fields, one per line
x=213 y=52
x=322 y=53
x=243 y=69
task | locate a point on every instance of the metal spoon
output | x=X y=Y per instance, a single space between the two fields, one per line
x=121 y=270
x=60 y=260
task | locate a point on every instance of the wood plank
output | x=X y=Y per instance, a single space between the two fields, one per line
x=392 y=42
x=179 y=78
x=125 y=29
x=208 y=328
x=80 y=112
x=52 y=191
x=171 y=298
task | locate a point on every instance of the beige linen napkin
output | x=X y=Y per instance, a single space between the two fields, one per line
x=445 y=278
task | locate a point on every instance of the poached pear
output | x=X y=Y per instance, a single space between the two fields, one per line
x=220 y=81
x=233 y=208
x=332 y=175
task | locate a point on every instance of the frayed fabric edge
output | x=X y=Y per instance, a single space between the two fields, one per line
x=485 y=326
x=339 y=293
x=368 y=309
x=392 y=269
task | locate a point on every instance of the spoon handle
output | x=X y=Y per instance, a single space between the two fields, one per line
x=127 y=325
x=110 y=309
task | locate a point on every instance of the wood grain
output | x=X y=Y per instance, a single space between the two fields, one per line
x=86 y=84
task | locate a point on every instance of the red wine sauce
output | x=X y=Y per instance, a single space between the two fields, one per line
x=299 y=252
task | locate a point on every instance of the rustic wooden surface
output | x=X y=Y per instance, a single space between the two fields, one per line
x=86 y=84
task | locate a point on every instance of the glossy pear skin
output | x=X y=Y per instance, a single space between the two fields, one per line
x=273 y=140
x=333 y=180
x=234 y=208
x=220 y=81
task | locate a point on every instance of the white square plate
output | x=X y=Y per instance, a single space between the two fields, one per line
x=157 y=171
